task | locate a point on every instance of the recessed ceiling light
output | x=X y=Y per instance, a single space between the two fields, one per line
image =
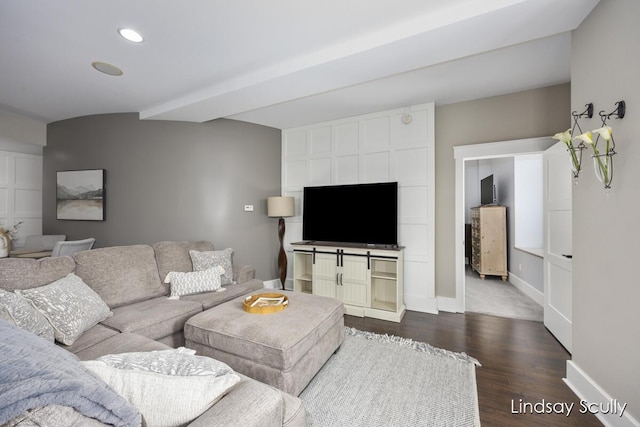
x=131 y=35
x=106 y=68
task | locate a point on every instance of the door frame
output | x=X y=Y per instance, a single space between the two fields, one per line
x=489 y=150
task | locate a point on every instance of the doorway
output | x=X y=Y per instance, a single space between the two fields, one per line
x=462 y=154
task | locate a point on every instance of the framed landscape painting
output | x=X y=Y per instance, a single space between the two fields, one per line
x=80 y=195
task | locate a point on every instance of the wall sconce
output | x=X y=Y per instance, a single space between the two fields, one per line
x=603 y=162
x=281 y=207
x=568 y=136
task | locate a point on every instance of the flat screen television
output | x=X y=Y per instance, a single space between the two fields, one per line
x=357 y=213
x=487 y=191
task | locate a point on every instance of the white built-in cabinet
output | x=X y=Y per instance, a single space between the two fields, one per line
x=387 y=146
x=369 y=281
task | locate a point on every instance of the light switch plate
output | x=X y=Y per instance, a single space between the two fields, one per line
x=248 y=208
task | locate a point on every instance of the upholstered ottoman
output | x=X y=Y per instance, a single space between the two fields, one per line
x=284 y=349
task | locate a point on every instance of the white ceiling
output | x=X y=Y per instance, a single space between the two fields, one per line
x=281 y=63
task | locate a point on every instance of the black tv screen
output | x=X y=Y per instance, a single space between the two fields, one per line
x=487 y=192
x=357 y=213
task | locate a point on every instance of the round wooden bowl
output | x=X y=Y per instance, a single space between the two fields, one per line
x=250 y=306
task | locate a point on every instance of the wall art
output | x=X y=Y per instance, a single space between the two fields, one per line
x=80 y=195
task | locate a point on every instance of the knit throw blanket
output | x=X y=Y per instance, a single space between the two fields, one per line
x=35 y=373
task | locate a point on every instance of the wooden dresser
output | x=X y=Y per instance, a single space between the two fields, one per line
x=489 y=241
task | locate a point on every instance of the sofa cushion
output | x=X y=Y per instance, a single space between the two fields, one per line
x=211 y=299
x=19 y=311
x=120 y=343
x=174 y=256
x=90 y=338
x=26 y=273
x=121 y=275
x=270 y=407
x=155 y=318
x=69 y=305
x=169 y=388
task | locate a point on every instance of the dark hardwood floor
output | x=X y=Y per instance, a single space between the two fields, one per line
x=520 y=360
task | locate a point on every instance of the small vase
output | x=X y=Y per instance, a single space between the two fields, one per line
x=576 y=160
x=603 y=166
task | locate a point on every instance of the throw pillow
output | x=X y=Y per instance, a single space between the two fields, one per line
x=69 y=305
x=18 y=311
x=169 y=388
x=195 y=282
x=208 y=259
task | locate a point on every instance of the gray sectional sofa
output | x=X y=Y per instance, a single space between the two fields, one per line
x=129 y=279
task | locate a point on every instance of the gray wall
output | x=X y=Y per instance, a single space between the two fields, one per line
x=172 y=181
x=528 y=114
x=606 y=293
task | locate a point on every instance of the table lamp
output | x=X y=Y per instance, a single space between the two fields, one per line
x=281 y=207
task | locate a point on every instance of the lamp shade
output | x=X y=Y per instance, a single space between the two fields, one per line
x=280 y=206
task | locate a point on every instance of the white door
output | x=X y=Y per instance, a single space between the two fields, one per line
x=557 y=243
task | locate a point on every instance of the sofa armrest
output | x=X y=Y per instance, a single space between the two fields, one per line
x=243 y=273
x=248 y=404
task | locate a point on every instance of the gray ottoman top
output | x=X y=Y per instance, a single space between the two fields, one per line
x=278 y=340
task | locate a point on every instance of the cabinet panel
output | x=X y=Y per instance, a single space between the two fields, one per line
x=368 y=281
x=325 y=275
x=354 y=280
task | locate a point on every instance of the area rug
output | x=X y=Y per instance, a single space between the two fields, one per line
x=383 y=380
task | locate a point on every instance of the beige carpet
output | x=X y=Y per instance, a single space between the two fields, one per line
x=495 y=297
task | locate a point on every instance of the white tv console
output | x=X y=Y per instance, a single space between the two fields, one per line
x=368 y=279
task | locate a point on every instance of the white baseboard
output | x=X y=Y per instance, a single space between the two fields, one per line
x=590 y=392
x=449 y=305
x=275 y=284
x=525 y=287
x=422 y=304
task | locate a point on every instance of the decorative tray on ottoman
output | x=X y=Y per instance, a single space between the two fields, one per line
x=265 y=303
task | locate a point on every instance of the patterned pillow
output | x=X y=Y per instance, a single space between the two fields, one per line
x=69 y=305
x=180 y=361
x=205 y=260
x=195 y=282
x=18 y=310
x=169 y=388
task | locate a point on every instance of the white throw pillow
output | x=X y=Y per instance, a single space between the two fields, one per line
x=19 y=311
x=69 y=305
x=208 y=259
x=195 y=282
x=169 y=388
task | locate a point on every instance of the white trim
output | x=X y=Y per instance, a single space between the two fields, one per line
x=449 y=305
x=420 y=303
x=272 y=284
x=527 y=288
x=474 y=152
x=539 y=252
x=588 y=390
